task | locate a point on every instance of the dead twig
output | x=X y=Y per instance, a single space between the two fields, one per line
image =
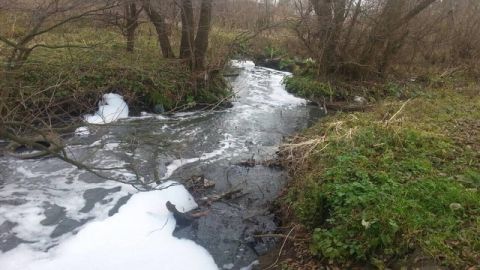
x=281 y=249
x=279 y=236
x=398 y=112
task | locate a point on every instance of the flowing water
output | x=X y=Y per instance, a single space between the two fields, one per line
x=45 y=203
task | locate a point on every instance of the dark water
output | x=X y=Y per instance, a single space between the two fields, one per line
x=43 y=202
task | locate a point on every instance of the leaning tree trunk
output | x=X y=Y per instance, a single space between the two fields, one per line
x=201 y=40
x=161 y=28
x=389 y=33
x=186 y=43
x=381 y=32
x=131 y=24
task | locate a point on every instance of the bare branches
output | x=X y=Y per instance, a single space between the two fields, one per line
x=61 y=154
x=20 y=49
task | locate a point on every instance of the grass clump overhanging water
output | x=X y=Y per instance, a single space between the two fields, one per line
x=307 y=87
x=307 y=84
x=402 y=179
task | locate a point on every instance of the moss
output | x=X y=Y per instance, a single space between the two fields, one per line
x=378 y=187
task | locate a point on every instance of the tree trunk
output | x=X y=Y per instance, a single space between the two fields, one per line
x=161 y=28
x=329 y=26
x=186 y=43
x=201 y=40
x=383 y=41
x=353 y=22
x=381 y=32
x=131 y=24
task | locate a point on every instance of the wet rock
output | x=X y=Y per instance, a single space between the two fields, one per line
x=359 y=100
x=455 y=206
x=159 y=109
x=183 y=219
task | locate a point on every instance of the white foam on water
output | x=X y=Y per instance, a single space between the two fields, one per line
x=111 y=146
x=281 y=97
x=250 y=266
x=273 y=94
x=82 y=131
x=139 y=236
x=228 y=266
x=61 y=187
x=111 y=108
x=263 y=89
x=225 y=144
x=247 y=64
x=184 y=114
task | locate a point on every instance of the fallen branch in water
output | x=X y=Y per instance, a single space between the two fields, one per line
x=61 y=154
x=184 y=219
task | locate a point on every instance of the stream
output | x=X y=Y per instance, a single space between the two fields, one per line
x=49 y=210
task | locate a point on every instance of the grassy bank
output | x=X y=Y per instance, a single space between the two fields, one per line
x=397 y=185
x=68 y=82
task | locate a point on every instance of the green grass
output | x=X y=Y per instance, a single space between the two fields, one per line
x=77 y=77
x=304 y=84
x=376 y=189
x=309 y=88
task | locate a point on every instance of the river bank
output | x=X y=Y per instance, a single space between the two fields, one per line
x=393 y=187
x=57 y=86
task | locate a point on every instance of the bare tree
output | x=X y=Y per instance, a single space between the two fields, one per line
x=389 y=33
x=188 y=30
x=201 y=40
x=46 y=16
x=355 y=36
x=131 y=23
x=158 y=22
